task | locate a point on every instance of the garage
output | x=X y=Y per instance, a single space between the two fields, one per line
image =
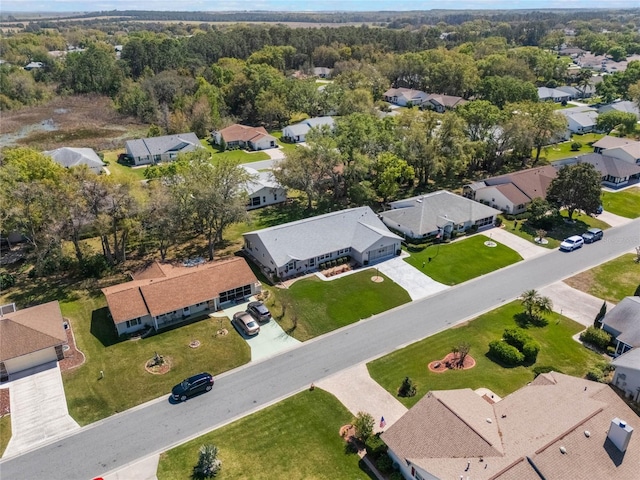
x=24 y=362
x=383 y=252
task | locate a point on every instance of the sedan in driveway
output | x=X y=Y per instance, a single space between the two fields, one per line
x=571 y=243
x=592 y=235
x=202 y=382
x=258 y=311
x=246 y=322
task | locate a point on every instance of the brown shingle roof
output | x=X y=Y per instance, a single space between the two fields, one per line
x=31 y=329
x=512 y=193
x=533 y=182
x=178 y=287
x=242 y=133
x=611 y=142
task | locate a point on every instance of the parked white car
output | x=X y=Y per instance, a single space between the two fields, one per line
x=571 y=243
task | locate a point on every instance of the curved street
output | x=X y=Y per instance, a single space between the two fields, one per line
x=158 y=425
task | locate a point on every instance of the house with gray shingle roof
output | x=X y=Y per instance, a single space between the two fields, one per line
x=145 y=151
x=436 y=213
x=74 y=157
x=263 y=189
x=299 y=247
x=627 y=374
x=404 y=97
x=582 y=122
x=298 y=132
x=556 y=427
x=546 y=94
x=610 y=142
x=629 y=152
x=623 y=323
x=625 y=106
x=615 y=173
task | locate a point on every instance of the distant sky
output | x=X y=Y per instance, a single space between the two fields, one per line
x=299 y=5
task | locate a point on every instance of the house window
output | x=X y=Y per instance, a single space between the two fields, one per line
x=134 y=322
x=275 y=197
x=157 y=158
x=240 y=292
x=255 y=201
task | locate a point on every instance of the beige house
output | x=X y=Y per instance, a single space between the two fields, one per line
x=557 y=427
x=630 y=152
x=253 y=138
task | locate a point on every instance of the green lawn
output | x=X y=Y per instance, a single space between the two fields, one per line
x=286 y=147
x=315 y=307
x=563 y=150
x=558 y=349
x=471 y=252
x=625 y=203
x=296 y=438
x=5 y=433
x=612 y=281
x=90 y=398
x=120 y=171
x=242 y=156
x=560 y=230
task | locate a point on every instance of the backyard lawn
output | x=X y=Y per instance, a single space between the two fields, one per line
x=120 y=171
x=563 y=150
x=558 y=349
x=446 y=259
x=311 y=307
x=560 y=230
x=242 y=156
x=286 y=147
x=625 y=203
x=5 y=433
x=611 y=281
x=296 y=438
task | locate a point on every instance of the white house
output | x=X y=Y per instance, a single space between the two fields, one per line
x=164 y=294
x=73 y=157
x=263 y=190
x=436 y=213
x=254 y=138
x=298 y=132
x=298 y=247
x=582 y=122
x=442 y=103
x=546 y=94
x=623 y=323
x=610 y=142
x=145 y=151
x=404 y=97
x=615 y=173
x=30 y=337
x=629 y=153
x=627 y=374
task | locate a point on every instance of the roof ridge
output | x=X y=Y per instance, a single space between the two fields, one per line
x=40 y=332
x=464 y=421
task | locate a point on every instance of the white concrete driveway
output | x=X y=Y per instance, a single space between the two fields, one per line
x=38 y=409
x=416 y=283
x=613 y=219
x=525 y=248
x=573 y=303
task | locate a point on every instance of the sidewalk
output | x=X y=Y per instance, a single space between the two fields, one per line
x=573 y=303
x=525 y=248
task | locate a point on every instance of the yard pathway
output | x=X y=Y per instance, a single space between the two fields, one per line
x=357 y=391
x=417 y=284
x=573 y=303
x=525 y=248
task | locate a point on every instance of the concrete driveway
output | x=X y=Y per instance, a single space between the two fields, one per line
x=613 y=219
x=416 y=283
x=269 y=342
x=573 y=303
x=525 y=248
x=38 y=409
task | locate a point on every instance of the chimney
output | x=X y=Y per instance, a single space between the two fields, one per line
x=620 y=434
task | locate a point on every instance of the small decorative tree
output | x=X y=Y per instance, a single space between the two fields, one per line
x=463 y=351
x=407 y=389
x=603 y=311
x=363 y=423
x=540 y=234
x=208 y=462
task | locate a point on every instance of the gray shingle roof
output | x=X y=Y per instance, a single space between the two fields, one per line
x=622 y=106
x=72 y=157
x=433 y=210
x=612 y=142
x=259 y=181
x=630 y=359
x=609 y=165
x=311 y=237
x=182 y=142
x=625 y=318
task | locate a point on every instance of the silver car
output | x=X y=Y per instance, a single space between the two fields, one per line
x=246 y=322
x=571 y=243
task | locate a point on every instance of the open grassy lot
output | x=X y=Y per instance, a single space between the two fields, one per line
x=296 y=438
x=611 y=281
x=5 y=433
x=560 y=230
x=558 y=349
x=311 y=307
x=446 y=259
x=625 y=203
x=563 y=150
x=242 y=156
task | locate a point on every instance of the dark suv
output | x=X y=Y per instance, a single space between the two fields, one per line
x=258 y=311
x=202 y=382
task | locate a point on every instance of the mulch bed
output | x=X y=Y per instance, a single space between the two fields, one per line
x=72 y=357
x=448 y=362
x=5 y=403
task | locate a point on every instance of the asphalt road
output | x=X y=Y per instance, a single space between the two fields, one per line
x=159 y=425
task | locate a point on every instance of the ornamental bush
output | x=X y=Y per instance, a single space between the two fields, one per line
x=596 y=337
x=516 y=337
x=505 y=353
x=530 y=351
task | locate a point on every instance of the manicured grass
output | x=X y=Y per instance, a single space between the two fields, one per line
x=242 y=156
x=296 y=438
x=90 y=398
x=311 y=307
x=560 y=230
x=558 y=349
x=121 y=171
x=5 y=433
x=563 y=150
x=612 y=281
x=625 y=203
x=286 y=147
x=471 y=252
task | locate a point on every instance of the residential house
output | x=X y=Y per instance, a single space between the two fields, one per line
x=441 y=103
x=298 y=132
x=629 y=153
x=623 y=323
x=298 y=247
x=546 y=94
x=164 y=294
x=615 y=173
x=72 y=157
x=627 y=374
x=610 y=142
x=578 y=93
x=557 y=427
x=322 y=72
x=405 y=97
x=253 y=138
x=33 y=66
x=263 y=190
x=580 y=119
x=436 y=213
x=30 y=337
x=512 y=192
x=145 y=151
x=624 y=106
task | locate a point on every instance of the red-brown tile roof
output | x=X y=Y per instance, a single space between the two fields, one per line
x=31 y=329
x=242 y=133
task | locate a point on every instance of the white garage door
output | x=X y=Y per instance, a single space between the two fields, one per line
x=31 y=360
x=381 y=252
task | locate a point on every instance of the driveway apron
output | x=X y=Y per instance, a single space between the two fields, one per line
x=416 y=283
x=38 y=409
x=570 y=302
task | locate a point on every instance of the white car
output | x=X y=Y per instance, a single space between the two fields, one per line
x=571 y=243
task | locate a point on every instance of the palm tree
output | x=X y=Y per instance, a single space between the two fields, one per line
x=208 y=462
x=535 y=304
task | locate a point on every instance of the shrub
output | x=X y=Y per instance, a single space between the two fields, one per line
x=6 y=281
x=94 y=266
x=596 y=337
x=340 y=261
x=396 y=476
x=505 y=353
x=208 y=463
x=375 y=446
x=575 y=146
x=498 y=222
x=516 y=337
x=385 y=464
x=611 y=350
x=545 y=369
x=407 y=389
x=530 y=351
x=363 y=423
